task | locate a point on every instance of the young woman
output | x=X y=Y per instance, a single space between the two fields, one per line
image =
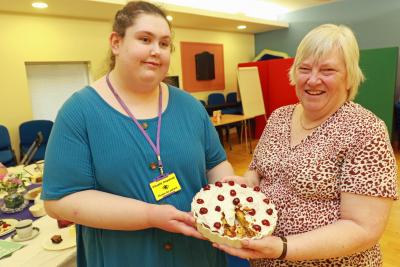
x=128 y=153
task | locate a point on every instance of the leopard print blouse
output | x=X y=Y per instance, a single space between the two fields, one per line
x=349 y=152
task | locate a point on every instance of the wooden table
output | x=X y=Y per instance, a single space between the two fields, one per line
x=211 y=108
x=232 y=118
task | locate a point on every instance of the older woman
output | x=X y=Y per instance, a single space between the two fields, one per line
x=326 y=162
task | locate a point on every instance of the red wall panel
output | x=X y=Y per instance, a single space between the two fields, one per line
x=277 y=91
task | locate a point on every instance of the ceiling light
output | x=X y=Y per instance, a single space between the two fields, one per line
x=242 y=27
x=251 y=8
x=39 y=5
x=169 y=18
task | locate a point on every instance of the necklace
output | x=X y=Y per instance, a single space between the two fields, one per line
x=305 y=128
x=156 y=146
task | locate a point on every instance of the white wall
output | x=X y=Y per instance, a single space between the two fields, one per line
x=50 y=84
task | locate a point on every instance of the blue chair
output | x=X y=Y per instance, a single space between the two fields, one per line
x=7 y=155
x=27 y=134
x=231 y=98
x=216 y=99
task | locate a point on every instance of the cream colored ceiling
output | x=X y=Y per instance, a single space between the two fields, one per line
x=183 y=17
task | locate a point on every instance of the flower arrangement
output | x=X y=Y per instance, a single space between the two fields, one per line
x=10 y=183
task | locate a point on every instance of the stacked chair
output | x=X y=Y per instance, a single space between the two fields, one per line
x=7 y=154
x=218 y=99
x=231 y=98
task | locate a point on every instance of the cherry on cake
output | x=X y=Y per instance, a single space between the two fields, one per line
x=227 y=213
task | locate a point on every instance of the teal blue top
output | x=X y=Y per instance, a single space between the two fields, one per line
x=93 y=146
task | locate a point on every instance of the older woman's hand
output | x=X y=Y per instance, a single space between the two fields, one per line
x=250 y=178
x=236 y=179
x=267 y=247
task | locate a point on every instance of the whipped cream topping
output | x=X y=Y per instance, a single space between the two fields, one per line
x=214 y=199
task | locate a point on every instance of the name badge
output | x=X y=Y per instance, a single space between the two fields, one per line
x=165 y=186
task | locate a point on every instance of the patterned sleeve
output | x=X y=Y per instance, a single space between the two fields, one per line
x=263 y=139
x=254 y=160
x=371 y=167
x=68 y=162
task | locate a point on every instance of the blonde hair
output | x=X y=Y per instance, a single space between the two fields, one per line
x=320 y=41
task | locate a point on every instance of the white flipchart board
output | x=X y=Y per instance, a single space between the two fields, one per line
x=250 y=91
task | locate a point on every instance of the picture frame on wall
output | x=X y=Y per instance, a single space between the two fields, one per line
x=202 y=66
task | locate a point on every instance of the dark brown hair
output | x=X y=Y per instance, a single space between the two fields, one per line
x=126 y=17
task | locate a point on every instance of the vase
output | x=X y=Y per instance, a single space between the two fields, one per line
x=13 y=200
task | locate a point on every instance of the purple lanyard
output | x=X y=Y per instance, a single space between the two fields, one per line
x=156 y=148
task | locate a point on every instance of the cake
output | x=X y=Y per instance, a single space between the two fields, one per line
x=4 y=227
x=227 y=213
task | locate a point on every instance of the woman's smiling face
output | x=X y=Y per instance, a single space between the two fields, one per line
x=321 y=84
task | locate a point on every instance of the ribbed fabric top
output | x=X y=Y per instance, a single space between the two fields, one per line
x=93 y=146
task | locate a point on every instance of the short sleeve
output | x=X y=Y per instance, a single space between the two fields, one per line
x=215 y=153
x=68 y=164
x=261 y=142
x=371 y=168
x=265 y=136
